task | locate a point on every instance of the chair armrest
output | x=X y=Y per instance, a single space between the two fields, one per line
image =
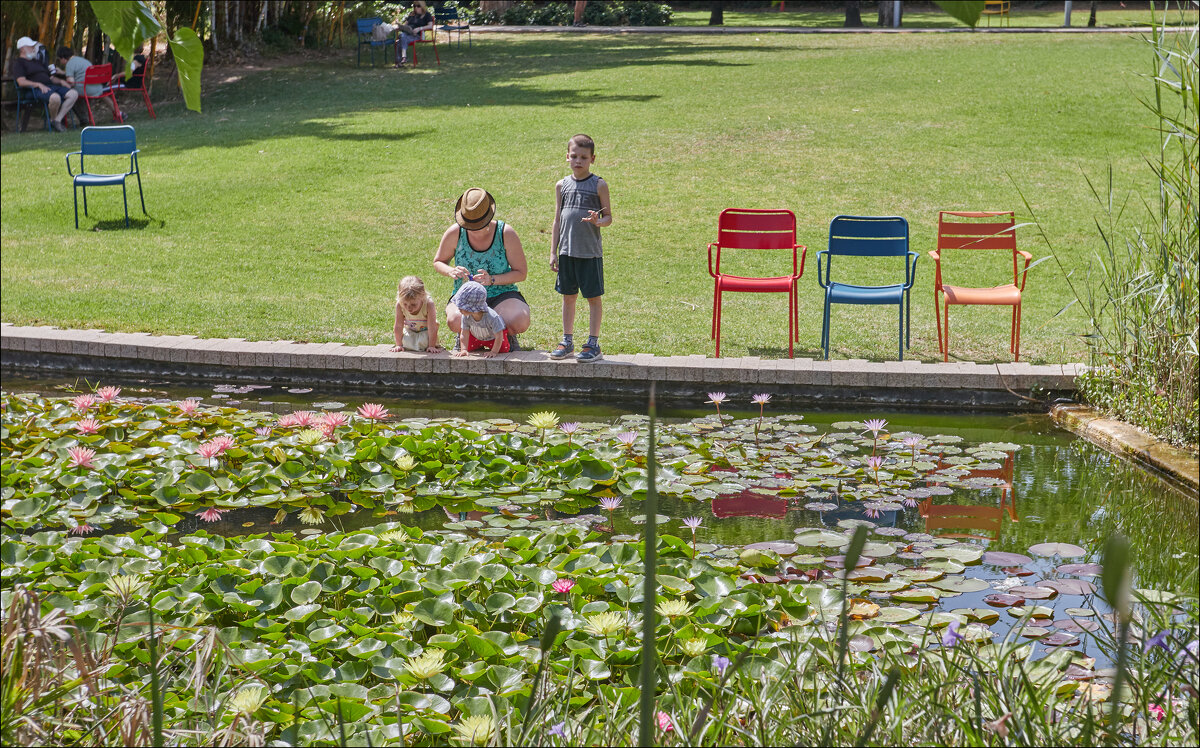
x=820 y=277
x=912 y=270
x=1028 y=258
x=69 y=155
x=803 y=254
x=937 y=272
x=133 y=159
x=710 y=262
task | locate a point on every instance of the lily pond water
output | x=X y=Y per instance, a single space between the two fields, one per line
x=360 y=545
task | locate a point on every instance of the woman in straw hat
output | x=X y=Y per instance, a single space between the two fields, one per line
x=479 y=247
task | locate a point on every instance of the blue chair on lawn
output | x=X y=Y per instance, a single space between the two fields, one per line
x=868 y=236
x=118 y=140
x=25 y=102
x=366 y=38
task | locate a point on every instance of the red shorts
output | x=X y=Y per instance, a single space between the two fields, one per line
x=475 y=344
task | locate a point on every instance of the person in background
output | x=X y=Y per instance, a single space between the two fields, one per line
x=75 y=67
x=416 y=23
x=579 y=7
x=32 y=74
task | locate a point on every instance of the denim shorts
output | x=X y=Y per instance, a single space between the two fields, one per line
x=38 y=95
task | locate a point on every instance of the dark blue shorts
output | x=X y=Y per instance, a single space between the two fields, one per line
x=583 y=275
x=38 y=95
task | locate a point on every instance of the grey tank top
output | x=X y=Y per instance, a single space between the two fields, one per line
x=576 y=238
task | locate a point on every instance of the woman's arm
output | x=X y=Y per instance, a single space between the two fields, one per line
x=516 y=258
x=432 y=323
x=398 y=330
x=444 y=256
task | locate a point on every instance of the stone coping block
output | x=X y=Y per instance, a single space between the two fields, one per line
x=217 y=358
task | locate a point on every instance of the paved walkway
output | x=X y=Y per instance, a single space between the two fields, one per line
x=800 y=381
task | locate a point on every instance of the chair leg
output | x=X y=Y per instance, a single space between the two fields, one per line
x=901 y=344
x=713 y=333
x=141 y=196
x=719 y=310
x=1017 y=346
x=908 y=319
x=85 y=201
x=946 y=350
x=1012 y=332
x=937 y=313
x=91 y=117
x=75 y=195
x=791 y=326
x=149 y=106
x=125 y=199
x=825 y=330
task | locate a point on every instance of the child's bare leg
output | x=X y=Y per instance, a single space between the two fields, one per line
x=569 y=314
x=595 y=312
x=453 y=319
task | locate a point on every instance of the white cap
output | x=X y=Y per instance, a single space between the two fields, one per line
x=25 y=42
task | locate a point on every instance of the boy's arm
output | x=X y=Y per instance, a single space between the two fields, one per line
x=496 y=343
x=554 y=230
x=606 y=216
x=398 y=330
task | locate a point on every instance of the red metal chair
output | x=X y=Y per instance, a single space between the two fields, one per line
x=121 y=85
x=427 y=37
x=986 y=234
x=99 y=75
x=757 y=229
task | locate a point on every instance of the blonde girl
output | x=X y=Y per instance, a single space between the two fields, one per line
x=416 y=327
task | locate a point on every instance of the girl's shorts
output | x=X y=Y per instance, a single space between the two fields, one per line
x=415 y=341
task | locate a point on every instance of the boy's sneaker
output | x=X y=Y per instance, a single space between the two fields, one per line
x=562 y=350
x=588 y=354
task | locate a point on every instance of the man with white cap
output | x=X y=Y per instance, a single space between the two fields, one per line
x=33 y=75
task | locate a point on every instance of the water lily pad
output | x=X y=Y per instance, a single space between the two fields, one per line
x=1001 y=600
x=1081 y=570
x=1076 y=626
x=1034 y=632
x=1060 y=639
x=1033 y=611
x=961 y=555
x=960 y=584
x=820 y=506
x=1064 y=550
x=1034 y=593
x=897 y=615
x=820 y=538
x=1004 y=558
x=780 y=547
x=981 y=615
x=1069 y=586
x=1080 y=612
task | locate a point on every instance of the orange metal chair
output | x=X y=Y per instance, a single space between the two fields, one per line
x=963 y=517
x=757 y=229
x=99 y=75
x=998 y=232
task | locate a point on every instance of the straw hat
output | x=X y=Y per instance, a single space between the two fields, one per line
x=474 y=209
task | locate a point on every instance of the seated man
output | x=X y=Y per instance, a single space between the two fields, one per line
x=33 y=75
x=75 y=67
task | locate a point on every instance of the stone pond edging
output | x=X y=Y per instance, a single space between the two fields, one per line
x=1126 y=440
x=51 y=351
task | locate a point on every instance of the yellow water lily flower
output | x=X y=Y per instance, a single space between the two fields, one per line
x=605 y=624
x=475 y=730
x=429 y=663
x=311 y=515
x=673 y=608
x=403 y=620
x=406 y=462
x=248 y=700
x=309 y=437
x=124 y=587
x=547 y=419
x=694 y=647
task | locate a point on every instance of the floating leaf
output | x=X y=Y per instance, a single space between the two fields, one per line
x=1069 y=586
x=1003 y=558
x=1081 y=570
x=1063 y=550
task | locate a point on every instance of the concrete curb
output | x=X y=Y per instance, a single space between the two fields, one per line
x=722 y=30
x=620 y=377
x=1129 y=441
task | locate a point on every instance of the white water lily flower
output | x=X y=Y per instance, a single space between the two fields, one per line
x=403 y=620
x=248 y=700
x=694 y=647
x=673 y=608
x=311 y=515
x=475 y=730
x=124 y=587
x=547 y=419
x=405 y=462
x=605 y=624
x=429 y=663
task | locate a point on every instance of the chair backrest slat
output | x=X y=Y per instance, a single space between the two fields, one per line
x=367 y=25
x=868 y=236
x=118 y=140
x=98 y=74
x=993 y=234
x=739 y=228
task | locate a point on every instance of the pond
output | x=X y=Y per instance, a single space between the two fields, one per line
x=980 y=517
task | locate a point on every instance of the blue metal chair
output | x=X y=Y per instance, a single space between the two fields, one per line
x=366 y=29
x=118 y=140
x=449 y=20
x=868 y=236
x=25 y=100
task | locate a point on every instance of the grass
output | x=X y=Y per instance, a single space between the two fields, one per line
x=293 y=205
x=801 y=14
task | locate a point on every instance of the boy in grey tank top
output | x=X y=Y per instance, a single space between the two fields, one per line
x=581 y=209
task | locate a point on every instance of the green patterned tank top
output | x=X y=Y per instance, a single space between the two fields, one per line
x=494 y=259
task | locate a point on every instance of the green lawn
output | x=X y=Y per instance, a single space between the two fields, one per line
x=294 y=204
x=810 y=15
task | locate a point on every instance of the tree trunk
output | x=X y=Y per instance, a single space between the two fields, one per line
x=885 y=13
x=1067 y=13
x=716 y=16
x=1092 y=17
x=853 y=16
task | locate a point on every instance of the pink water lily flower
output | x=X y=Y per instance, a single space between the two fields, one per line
x=209 y=450
x=909 y=502
x=610 y=503
x=302 y=417
x=286 y=421
x=692 y=523
x=263 y=430
x=563 y=586
x=627 y=438
x=873 y=513
x=87 y=425
x=224 y=442
x=82 y=529
x=372 y=411
x=332 y=420
x=189 y=406
x=716 y=398
x=108 y=394
x=912 y=441
x=875 y=425
x=83 y=402
x=1156 y=711
x=762 y=399
x=569 y=428
x=664 y=722
x=212 y=514
x=80 y=457
x=874 y=461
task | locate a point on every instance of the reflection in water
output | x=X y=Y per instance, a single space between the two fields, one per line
x=748 y=504
x=960 y=518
